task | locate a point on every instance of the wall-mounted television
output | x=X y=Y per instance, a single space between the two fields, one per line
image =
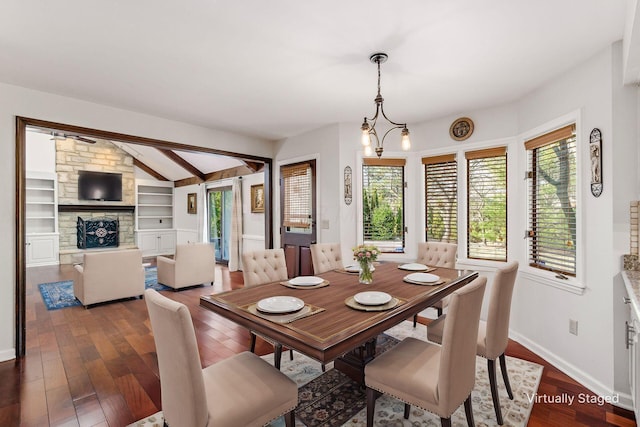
x=102 y=186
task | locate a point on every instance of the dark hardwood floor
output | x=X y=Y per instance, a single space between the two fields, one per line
x=98 y=367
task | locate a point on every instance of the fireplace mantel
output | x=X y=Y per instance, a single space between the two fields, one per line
x=96 y=208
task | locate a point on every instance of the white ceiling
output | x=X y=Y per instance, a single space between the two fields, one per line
x=281 y=67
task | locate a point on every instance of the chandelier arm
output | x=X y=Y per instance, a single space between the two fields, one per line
x=389 y=120
x=387 y=132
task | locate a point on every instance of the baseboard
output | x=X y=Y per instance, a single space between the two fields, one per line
x=7 y=354
x=578 y=375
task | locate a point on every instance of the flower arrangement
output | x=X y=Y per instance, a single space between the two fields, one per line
x=365 y=255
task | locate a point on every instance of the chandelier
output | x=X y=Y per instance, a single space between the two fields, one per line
x=368 y=128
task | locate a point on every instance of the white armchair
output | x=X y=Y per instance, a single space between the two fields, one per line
x=193 y=264
x=108 y=276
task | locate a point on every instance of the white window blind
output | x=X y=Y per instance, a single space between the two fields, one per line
x=487 y=204
x=297 y=182
x=441 y=198
x=552 y=204
x=383 y=203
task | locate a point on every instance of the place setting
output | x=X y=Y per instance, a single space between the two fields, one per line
x=372 y=301
x=305 y=282
x=353 y=269
x=282 y=309
x=425 y=279
x=415 y=266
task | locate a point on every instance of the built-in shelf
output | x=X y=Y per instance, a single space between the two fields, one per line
x=96 y=208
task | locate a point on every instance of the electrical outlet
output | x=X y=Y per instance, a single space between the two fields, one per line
x=573 y=327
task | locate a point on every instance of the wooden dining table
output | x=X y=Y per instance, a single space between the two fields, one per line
x=337 y=332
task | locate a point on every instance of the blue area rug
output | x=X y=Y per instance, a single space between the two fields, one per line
x=58 y=295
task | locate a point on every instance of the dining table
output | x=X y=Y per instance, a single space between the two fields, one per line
x=332 y=326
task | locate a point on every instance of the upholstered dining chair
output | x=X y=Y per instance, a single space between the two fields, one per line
x=242 y=390
x=326 y=257
x=437 y=254
x=435 y=378
x=259 y=268
x=493 y=335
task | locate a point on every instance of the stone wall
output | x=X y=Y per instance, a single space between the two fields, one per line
x=73 y=156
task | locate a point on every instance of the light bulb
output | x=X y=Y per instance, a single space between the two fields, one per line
x=367 y=150
x=366 y=138
x=406 y=142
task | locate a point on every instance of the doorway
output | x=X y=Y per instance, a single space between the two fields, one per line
x=220 y=202
x=166 y=146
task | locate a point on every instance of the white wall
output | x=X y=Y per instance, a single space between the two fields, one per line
x=40 y=155
x=253 y=238
x=186 y=224
x=18 y=101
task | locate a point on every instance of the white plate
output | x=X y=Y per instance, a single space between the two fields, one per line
x=422 y=277
x=372 y=298
x=306 y=281
x=413 y=266
x=355 y=268
x=279 y=305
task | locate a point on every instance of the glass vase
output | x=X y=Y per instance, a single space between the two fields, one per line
x=365 y=275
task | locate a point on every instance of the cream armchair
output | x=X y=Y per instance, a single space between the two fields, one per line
x=193 y=264
x=326 y=257
x=108 y=276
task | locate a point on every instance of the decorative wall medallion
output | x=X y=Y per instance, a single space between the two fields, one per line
x=461 y=129
x=595 y=154
x=348 y=187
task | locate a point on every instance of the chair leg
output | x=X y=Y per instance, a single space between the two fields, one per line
x=445 y=422
x=407 y=411
x=372 y=395
x=505 y=375
x=415 y=320
x=439 y=310
x=491 y=367
x=468 y=411
x=252 y=345
x=277 y=355
x=290 y=418
x=324 y=368
x=290 y=354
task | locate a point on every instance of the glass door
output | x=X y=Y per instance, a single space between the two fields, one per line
x=220 y=201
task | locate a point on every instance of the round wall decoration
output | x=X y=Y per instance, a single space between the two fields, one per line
x=461 y=129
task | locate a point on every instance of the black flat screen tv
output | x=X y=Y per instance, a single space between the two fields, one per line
x=101 y=186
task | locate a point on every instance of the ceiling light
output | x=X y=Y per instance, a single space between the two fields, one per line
x=368 y=127
x=55 y=136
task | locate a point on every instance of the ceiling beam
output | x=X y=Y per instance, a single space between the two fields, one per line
x=183 y=163
x=215 y=176
x=148 y=170
x=254 y=166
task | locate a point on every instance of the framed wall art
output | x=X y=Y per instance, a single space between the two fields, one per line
x=595 y=154
x=192 y=203
x=257 y=198
x=348 y=186
x=461 y=129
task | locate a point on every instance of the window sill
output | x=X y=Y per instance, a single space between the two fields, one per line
x=548 y=279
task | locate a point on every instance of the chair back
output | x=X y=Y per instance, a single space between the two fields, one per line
x=262 y=267
x=497 y=333
x=457 y=372
x=181 y=383
x=438 y=254
x=326 y=257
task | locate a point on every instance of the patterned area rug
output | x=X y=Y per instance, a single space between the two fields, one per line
x=58 y=295
x=332 y=399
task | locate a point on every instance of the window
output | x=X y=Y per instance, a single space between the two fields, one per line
x=487 y=204
x=383 y=203
x=552 y=204
x=441 y=198
x=297 y=181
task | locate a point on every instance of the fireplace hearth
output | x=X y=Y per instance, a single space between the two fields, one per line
x=97 y=233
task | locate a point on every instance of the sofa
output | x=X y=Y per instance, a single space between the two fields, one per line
x=193 y=264
x=109 y=275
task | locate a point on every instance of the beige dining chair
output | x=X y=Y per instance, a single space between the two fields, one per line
x=242 y=390
x=432 y=377
x=260 y=268
x=326 y=257
x=437 y=254
x=493 y=335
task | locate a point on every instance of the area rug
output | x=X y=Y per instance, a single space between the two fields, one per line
x=57 y=295
x=332 y=399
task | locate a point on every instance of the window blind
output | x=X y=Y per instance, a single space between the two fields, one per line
x=297 y=182
x=552 y=203
x=383 y=204
x=487 y=204
x=441 y=198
